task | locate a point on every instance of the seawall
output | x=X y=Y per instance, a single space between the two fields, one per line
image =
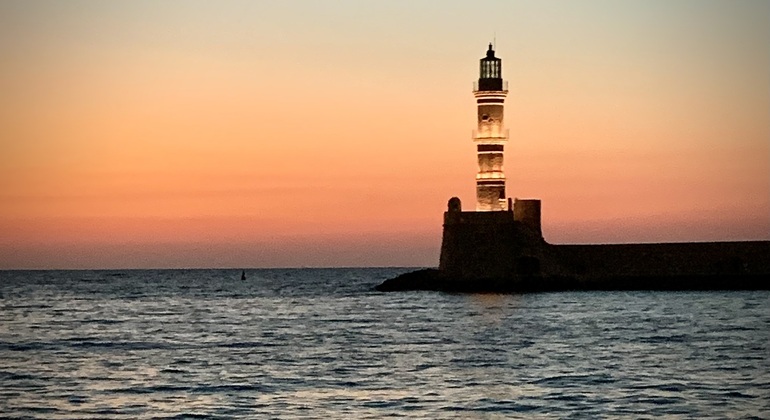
x=504 y=251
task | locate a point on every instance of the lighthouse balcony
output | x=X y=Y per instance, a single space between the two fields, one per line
x=491 y=175
x=490 y=137
x=490 y=85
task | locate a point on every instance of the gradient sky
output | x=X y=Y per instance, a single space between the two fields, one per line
x=332 y=133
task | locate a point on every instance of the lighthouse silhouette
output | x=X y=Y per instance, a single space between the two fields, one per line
x=490 y=135
x=500 y=247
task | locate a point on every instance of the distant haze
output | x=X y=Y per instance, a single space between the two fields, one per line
x=309 y=133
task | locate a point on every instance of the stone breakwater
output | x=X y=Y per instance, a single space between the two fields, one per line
x=504 y=252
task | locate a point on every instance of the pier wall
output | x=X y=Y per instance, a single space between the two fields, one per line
x=509 y=245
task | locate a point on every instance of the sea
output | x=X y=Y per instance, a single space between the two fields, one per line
x=323 y=344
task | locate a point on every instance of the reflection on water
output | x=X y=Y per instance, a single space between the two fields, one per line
x=322 y=344
x=492 y=308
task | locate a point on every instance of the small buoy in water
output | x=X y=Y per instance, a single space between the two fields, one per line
x=243 y=275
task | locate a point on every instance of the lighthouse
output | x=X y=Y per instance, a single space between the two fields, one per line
x=490 y=135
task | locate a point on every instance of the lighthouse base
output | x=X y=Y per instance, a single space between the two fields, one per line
x=504 y=252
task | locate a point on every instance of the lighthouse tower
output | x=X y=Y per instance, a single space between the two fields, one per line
x=490 y=136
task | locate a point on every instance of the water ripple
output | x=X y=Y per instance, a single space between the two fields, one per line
x=321 y=344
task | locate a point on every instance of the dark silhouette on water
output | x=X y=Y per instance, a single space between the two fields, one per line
x=500 y=247
x=243 y=275
x=504 y=252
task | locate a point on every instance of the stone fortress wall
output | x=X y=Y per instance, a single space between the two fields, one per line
x=509 y=245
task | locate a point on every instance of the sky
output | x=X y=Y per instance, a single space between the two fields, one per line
x=164 y=134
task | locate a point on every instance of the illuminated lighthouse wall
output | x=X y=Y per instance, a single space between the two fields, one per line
x=491 y=135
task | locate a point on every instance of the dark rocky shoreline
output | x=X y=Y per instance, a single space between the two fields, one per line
x=431 y=279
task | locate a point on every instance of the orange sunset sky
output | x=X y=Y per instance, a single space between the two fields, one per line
x=332 y=133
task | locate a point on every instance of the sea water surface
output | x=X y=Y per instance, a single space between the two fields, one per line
x=321 y=343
